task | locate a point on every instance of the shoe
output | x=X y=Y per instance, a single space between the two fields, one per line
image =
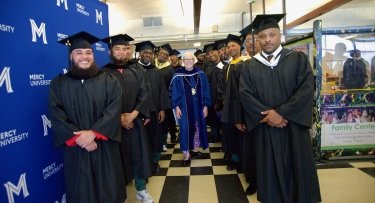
x=212 y=140
x=231 y=166
x=144 y=196
x=251 y=189
x=186 y=162
x=195 y=154
x=164 y=148
x=156 y=168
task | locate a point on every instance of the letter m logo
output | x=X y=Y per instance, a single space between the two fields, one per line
x=65 y=2
x=99 y=16
x=5 y=78
x=12 y=189
x=35 y=30
x=46 y=124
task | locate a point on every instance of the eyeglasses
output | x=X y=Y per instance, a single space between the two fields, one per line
x=188 y=59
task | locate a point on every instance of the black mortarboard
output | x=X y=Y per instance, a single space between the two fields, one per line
x=120 y=39
x=262 y=22
x=220 y=43
x=209 y=47
x=144 y=45
x=234 y=38
x=198 y=52
x=167 y=48
x=81 y=40
x=247 y=30
x=175 y=52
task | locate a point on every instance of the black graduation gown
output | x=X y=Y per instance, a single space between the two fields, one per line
x=94 y=104
x=286 y=171
x=134 y=147
x=158 y=100
x=228 y=93
x=169 y=123
x=213 y=74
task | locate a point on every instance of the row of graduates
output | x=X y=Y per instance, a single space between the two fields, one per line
x=87 y=103
x=265 y=104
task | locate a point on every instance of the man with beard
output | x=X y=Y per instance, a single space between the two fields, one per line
x=213 y=72
x=85 y=106
x=221 y=48
x=277 y=90
x=134 y=148
x=167 y=71
x=158 y=100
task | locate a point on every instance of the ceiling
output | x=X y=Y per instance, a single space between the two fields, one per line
x=183 y=23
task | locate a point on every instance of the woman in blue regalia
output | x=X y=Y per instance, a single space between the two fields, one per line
x=190 y=99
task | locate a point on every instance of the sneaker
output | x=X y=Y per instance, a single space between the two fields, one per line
x=144 y=196
x=165 y=148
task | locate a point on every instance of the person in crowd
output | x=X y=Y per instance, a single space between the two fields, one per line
x=213 y=72
x=167 y=71
x=158 y=100
x=249 y=165
x=135 y=113
x=221 y=48
x=174 y=58
x=354 y=71
x=200 y=63
x=228 y=95
x=280 y=117
x=85 y=107
x=190 y=99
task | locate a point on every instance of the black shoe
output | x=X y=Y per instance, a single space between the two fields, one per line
x=231 y=166
x=195 y=154
x=156 y=168
x=186 y=162
x=212 y=140
x=251 y=189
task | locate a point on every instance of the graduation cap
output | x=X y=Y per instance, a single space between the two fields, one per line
x=262 y=22
x=198 y=52
x=120 y=39
x=81 y=40
x=167 y=48
x=144 y=45
x=234 y=38
x=209 y=47
x=175 y=52
x=220 y=44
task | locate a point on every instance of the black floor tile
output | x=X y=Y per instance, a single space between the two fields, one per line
x=166 y=157
x=176 y=163
x=203 y=156
x=175 y=190
x=370 y=171
x=218 y=162
x=334 y=165
x=177 y=151
x=229 y=189
x=161 y=172
x=215 y=149
x=203 y=170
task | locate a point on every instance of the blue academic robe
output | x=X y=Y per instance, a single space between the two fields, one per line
x=191 y=105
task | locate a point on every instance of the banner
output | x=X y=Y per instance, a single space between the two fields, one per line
x=32 y=168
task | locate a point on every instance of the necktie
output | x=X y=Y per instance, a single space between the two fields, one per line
x=269 y=58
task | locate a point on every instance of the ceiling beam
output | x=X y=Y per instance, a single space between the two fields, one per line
x=197 y=15
x=317 y=12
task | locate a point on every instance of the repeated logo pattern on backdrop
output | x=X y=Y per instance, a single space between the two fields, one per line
x=32 y=168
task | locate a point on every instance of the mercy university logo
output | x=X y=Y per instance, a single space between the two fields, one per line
x=46 y=124
x=12 y=189
x=5 y=78
x=99 y=17
x=62 y=1
x=40 y=31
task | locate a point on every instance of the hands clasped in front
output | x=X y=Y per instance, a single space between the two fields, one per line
x=86 y=140
x=272 y=118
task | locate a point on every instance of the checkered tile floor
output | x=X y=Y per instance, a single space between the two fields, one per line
x=208 y=181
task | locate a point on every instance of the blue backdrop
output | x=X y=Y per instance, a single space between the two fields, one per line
x=31 y=168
